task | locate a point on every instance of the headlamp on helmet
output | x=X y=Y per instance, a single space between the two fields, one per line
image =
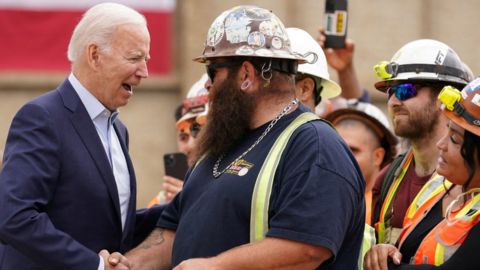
x=449 y=96
x=385 y=70
x=452 y=100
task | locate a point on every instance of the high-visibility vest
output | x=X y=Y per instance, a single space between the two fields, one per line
x=386 y=212
x=368 y=242
x=263 y=188
x=443 y=240
x=263 y=185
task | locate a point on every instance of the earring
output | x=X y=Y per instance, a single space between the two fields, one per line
x=245 y=85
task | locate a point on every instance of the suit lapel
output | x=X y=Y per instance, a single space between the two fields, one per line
x=82 y=123
x=130 y=223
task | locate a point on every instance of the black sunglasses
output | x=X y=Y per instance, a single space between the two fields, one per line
x=211 y=67
x=194 y=129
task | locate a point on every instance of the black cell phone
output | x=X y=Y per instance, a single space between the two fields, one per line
x=176 y=165
x=335 y=23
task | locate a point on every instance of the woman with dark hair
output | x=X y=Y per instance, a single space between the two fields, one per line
x=440 y=227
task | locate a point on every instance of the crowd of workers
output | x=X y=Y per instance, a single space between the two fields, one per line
x=271 y=185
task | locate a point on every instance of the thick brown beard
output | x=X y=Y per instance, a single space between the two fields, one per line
x=228 y=119
x=422 y=122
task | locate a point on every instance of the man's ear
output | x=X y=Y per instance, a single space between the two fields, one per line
x=378 y=155
x=304 y=89
x=247 y=72
x=93 y=55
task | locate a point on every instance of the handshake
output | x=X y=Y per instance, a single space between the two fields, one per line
x=115 y=260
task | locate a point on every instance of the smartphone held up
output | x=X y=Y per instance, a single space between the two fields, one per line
x=335 y=23
x=176 y=165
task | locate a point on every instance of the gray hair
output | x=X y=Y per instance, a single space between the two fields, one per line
x=98 y=25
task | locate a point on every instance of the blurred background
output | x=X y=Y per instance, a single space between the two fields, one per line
x=34 y=35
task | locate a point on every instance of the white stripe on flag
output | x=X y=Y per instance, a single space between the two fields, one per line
x=151 y=5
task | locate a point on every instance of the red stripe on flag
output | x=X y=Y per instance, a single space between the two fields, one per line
x=38 y=40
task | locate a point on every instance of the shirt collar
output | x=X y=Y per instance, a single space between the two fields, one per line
x=93 y=106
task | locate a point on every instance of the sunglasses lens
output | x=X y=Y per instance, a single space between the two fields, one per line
x=402 y=91
x=209 y=73
x=194 y=129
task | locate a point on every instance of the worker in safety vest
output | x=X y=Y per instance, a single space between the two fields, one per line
x=412 y=79
x=365 y=129
x=274 y=187
x=440 y=227
x=193 y=108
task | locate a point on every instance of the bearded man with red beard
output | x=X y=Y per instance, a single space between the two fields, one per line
x=273 y=186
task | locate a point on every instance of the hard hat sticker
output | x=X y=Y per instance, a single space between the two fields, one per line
x=256 y=39
x=267 y=28
x=277 y=43
x=279 y=26
x=475 y=100
x=440 y=58
x=396 y=56
x=264 y=52
x=245 y=50
x=256 y=13
x=236 y=27
x=464 y=94
x=473 y=85
x=215 y=33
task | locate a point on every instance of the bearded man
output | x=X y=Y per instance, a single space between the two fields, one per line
x=413 y=79
x=309 y=214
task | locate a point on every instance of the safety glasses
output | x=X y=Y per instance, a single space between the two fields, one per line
x=211 y=68
x=404 y=91
x=194 y=129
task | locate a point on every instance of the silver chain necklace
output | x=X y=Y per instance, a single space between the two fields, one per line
x=216 y=174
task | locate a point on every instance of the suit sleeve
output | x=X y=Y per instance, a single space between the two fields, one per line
x=32 y=162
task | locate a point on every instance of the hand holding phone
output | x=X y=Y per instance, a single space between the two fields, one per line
x=176 y=165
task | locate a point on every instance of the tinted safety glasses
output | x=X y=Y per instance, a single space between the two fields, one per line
x=194 y=129
x=404 y=91
x=211 y=68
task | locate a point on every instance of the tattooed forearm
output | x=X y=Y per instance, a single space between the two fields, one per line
x=154 y=239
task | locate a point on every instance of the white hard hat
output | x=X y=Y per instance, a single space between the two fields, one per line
x=302 y=43
x=195 y=103
x=422 y=60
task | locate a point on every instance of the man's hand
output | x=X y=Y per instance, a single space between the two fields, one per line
x=171 y=187
x=339 y=58
x=114 y=260
x=376 y=257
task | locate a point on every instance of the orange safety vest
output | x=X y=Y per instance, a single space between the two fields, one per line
x=442 y=241
x=386 y=212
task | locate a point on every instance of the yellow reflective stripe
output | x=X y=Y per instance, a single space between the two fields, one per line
x=368 y=242
x=264 y=182
x=439 y=251
x=467 y=208
x=393 y=190
x=423 y=197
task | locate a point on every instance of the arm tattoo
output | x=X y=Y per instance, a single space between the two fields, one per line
x=154 y=239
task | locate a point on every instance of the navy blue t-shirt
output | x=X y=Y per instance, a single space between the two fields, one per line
x=317 y=197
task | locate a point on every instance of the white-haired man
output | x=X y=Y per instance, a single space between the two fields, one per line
x=67 y=187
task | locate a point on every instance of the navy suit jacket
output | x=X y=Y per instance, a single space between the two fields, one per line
x=59 y=202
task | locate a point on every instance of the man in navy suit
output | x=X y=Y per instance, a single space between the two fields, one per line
x=67 y=187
